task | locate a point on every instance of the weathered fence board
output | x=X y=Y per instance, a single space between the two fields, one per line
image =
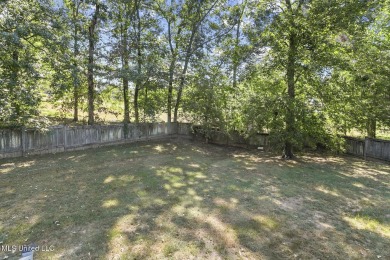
x=354 y=146
x=233 y=138
x=368 y=147
x=18 y=142
x=377 y=148
x=184 y=129
x=10 y=140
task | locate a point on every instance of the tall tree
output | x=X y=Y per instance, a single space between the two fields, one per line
x=92 y=38
x=299 y=44
x=67 y=64
x=137 y=47
x=183 y=20
x=360 y=87
x=291 y=77
x=27 y=37
x=75 y=6
x=122 y=18
x=139 y=59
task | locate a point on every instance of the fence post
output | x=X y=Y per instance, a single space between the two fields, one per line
x=65 y=138
x=365 y=146
x=125 y=130
x=23 y=140
x=100 y=134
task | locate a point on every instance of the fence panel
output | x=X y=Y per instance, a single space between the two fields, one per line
x=10 y=140
x=82 y=135
x=184 y=129
x=111 y=133
x=354 y=146
x=368 y=147
x=233 y=138
x=377 y=148
x=260 y=139
x=16 y=142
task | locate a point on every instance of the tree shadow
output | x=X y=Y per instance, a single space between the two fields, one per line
x=184 y=199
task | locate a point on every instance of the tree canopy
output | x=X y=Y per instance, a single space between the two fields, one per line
x=305 y=71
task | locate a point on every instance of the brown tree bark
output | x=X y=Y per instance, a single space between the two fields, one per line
x=235 y=55
x=183 y=73
x=170 y=88
x=290 y=73
x=91 y=64
x=172 y=65
x=139 y=64
x=14 y=82
x=125 y=79
x=371 y=127
x=75 y=70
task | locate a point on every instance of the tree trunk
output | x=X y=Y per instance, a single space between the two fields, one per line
x=171 y=72
x=179 y=94
x=290 y=114
x=290 y=73
x=125 y=79
x=371 y=127
x=174 y=53
x=183 y=74
x=235 y=55
x=91 y=64
x=170 y=88
x=139 y=65
x=126 y=118
x=146 y=101
x=14 y=83
x=76 y=101
x=136 y=107
x=235 y=61
x=75 y=69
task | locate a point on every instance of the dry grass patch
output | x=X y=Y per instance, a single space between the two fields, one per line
x=184 y=200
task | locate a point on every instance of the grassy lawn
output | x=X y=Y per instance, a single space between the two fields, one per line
x=186 y=200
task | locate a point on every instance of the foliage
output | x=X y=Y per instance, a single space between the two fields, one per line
x=304 y=71
x=26 y=31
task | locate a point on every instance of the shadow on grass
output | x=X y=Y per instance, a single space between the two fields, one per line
x=182 y=200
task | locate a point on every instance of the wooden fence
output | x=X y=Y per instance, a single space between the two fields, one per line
x=25 y=141
x=234 y=138
x=368 y=147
